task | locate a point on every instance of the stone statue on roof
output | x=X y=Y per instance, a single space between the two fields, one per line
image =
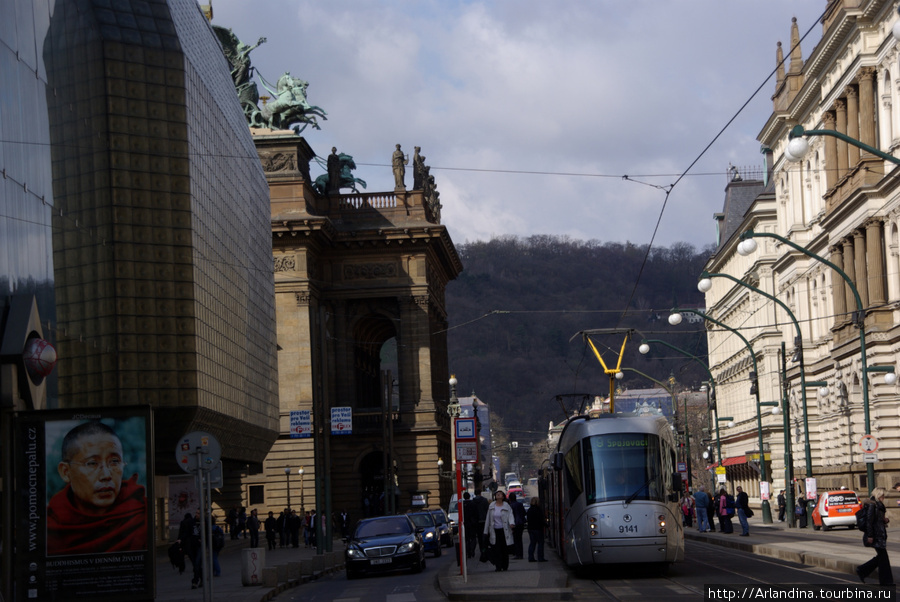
x=289 y=108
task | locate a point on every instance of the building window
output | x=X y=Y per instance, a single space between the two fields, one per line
x=257 y=494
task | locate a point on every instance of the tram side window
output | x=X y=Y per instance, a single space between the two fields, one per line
x=574 y=482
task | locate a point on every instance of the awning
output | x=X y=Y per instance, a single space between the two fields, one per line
x=732 y=461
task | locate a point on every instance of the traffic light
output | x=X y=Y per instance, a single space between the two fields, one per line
x=754 y=388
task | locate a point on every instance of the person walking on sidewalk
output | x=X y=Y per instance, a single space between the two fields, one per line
x=271 y=525
x=536 y=524
x=518 y=509
x=876 y=537
x=743 y=510
x=498 y=530
x=702 y=503
x=253 y=526
x=481 y=508
x=726 y=511
x=782 y=506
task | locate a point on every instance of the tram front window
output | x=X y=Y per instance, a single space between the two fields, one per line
x=622 y=466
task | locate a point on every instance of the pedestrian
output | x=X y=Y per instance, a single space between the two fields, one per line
x=687 y=509
x=345 y=524
x=281 y=528
x=897 y=488
x=876 y=537
x=536 y=524
x=742 y=505
x=253 y=526
x=305 y=526
x=518 y=509
x=295 y=523
x=782 y=506
x=230 y=520
x=271 y=525
x=189 y=538
x=218 y=542
x=242 y=522
x=726 y=511
x=470 y=520
x=481 y=509
x=498 y=530
x=702 y=504
x=313 y=529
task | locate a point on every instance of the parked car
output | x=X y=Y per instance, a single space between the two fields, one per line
x=384 y=543
x=430 y=534
x=836 y=509
x=453 y=515
x=443 y=524
x=520 y=493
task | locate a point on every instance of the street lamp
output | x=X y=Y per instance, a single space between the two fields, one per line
x=749 y=246
x=287 y=478
x=798 y=146
x=675 y=319
x=300 y=472
x=704 y=285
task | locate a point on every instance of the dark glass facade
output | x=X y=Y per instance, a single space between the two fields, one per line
x=134 y=205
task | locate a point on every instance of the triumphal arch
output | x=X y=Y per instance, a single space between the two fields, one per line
x=359 y=286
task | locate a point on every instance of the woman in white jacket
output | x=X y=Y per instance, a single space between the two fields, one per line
x=498 y=528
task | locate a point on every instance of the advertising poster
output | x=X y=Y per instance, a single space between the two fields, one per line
x=342 y=421
x=183 y=498
x=301 y=424
x=83 y=519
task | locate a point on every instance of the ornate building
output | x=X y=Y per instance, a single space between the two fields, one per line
x=839 y=203
x=359 y=294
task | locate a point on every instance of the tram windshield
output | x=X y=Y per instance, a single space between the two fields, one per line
x=623 y=466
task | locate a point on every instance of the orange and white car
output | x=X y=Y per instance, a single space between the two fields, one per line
x=836 y=509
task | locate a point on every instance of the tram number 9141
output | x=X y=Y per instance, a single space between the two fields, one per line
x=628 y=529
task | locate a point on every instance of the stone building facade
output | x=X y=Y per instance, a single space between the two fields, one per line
x=842 y=204
x=359 y=295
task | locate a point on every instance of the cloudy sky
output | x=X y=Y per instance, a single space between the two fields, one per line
x=530 y=113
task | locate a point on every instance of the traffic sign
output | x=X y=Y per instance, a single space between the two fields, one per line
x=198 y=450
x=720 y=470
x=869 y=444
x=467 y=452
x=870 y=458
x=465 y=428
x=682 y=467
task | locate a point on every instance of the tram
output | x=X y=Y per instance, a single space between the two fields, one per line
x=612 y=493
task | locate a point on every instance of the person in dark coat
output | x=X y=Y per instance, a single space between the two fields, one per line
x=742 y=507
x=782 y=506
x=536 y=524
x=295 y=523
x=518 y=509
x=189 y=538
x=481 y=508
x=876 y=537
x=271 y=530
x=470 y=518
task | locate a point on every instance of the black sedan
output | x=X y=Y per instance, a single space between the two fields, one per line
x=384 y=543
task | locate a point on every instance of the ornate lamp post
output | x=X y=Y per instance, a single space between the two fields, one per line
x=287 y=478
x=748 y=245
x=302 y=507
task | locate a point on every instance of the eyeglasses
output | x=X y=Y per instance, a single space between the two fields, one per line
x=94 y=466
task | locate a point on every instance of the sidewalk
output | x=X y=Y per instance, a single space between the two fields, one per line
x=838 y=550
x=172 y=587
x=523 y=581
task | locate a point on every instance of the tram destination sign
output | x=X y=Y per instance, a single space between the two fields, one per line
x=467 y=452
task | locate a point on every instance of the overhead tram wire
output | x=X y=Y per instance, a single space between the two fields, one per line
x=704 y=151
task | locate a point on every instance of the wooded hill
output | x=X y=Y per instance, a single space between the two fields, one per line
x=517 y=310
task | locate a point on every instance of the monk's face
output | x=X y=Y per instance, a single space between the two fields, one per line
x=95 y=472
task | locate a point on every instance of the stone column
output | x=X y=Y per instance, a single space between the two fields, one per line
x=859 y=258
x=852 y=125
x=840 y=299
x=867 y=105
x=850 y=270
x=840 y=110
x=875 y=261
x=831 y=154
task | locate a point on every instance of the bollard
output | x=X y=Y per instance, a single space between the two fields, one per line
x=270 y=576
x=253 y=560
x=306 y=567
x=318 y=563
x=293 y=571
x=282 y=572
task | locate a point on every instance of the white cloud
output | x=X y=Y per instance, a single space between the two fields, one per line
x=602 y=88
